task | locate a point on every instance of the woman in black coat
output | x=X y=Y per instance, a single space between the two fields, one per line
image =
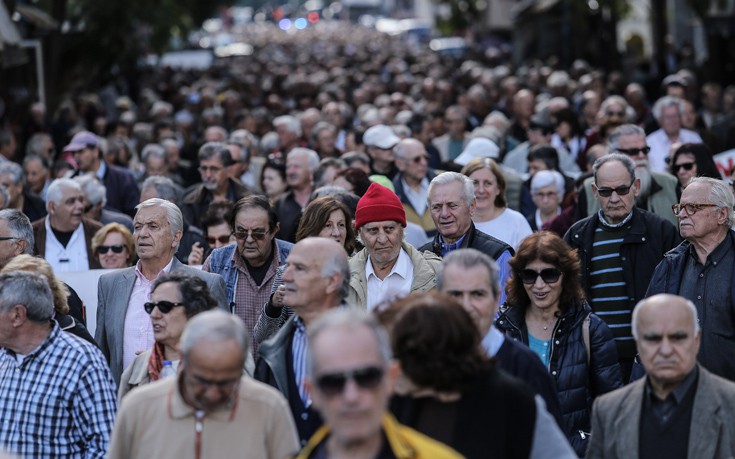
x=546 y=310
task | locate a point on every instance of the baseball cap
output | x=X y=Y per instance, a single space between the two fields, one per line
x=82 y=140
x=380 y=136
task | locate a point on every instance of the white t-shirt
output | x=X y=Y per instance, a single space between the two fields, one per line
x=510 y=227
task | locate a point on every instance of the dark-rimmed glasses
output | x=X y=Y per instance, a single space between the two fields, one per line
x=691 y=208
x=164 y=306
x=257 y=234
x=332 y=384
x=103 y=249
x=685 y=166
x=621 y=190
x=222 y=239
x=548 y=275
x=634 y=151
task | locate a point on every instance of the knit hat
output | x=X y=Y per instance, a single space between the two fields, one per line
x=379 y=204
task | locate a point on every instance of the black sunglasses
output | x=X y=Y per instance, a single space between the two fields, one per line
x=607 y=192
x=634 y=151
x=242 y=234
x=164 y=306
x=332 y=384
x=613 y=113
x=103 y=249
x=222 y=239
x=686 y=166
x=548 y=275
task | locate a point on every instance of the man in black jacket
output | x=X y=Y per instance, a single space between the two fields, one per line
x=619 y=248
x=452 y=203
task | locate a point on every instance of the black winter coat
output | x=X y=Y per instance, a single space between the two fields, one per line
x=577 y=383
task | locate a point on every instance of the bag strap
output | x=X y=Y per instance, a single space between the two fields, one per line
x=586 y=336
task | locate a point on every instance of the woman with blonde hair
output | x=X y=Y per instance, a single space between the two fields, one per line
x=113 y=246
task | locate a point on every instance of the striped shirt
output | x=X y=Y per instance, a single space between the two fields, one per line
x=58 y=401
x=299 y=349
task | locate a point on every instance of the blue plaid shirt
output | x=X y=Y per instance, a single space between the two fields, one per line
x=59 y=401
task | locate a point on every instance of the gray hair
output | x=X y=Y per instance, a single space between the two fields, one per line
x=667 y=101
x=351 y=319
x=14 y=170
x=244 y=151
x=720 y=195
x=29 y=289
x=468 y=259
x=641 y=304
x=269 y=142
x=312 y=157
x=546 y=178
x=173 y=213
x=94 y=189
x=45 y=163
x=4 y=195
x=35 y=144
x=449 y=177
x=289 y=122
x=337 y=263
x=325 y=164
x=214 y=325
x=55 y=192
x=619 y=157
x=19 y=226
x=624 y=130
x=215 y=149
x=355 y=156
x=154 y=150
x=165 y=188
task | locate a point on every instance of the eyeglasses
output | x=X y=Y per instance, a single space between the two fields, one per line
x=164 y=306
x=607 y=192
x=222 y=239
x=103 y=249
x=257 y=234
x=618 y=114
x=548 y=275
x=685 y=166
x=212 y=169
x=333 y=384
x=548 y=194
x=418 y=159
x=7 y=238
x=690 y=208
x=634 y=151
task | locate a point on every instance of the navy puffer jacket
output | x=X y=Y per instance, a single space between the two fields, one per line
x=576 y=383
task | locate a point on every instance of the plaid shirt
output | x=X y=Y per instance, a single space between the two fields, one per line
x=59 y=401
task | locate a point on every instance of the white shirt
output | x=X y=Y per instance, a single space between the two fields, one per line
x=510 y=227
x=396 y=283
x=73 y=257
x=138 y=331
x=417 y=198
x=660 y=146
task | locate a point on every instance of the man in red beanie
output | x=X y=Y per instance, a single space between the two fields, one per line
x=387 y=267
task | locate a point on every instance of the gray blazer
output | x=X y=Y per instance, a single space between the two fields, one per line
x=616 y=420
x=113 y=294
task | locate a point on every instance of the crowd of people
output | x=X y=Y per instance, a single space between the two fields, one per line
x=345 y=245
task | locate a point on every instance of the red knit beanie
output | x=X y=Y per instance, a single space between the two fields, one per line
x=379 y=204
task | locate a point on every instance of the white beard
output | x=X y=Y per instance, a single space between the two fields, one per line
x=643 y=173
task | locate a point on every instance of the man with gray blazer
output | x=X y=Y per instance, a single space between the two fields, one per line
x=679 y=410
x=123 y=327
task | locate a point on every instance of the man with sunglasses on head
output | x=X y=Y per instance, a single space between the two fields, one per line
x=210 y=409
x=702 y=269
x=124 y=328
x=350 y=377
x=656 y=192
x=619 y=247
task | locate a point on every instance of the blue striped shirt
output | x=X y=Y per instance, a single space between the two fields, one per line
x=299 y=349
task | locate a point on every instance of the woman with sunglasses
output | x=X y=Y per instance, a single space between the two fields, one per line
x=175 y=298
x=113 y=246
x=546 y=310
x=692 y=160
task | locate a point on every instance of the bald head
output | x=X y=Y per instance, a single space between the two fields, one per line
x=664 y=303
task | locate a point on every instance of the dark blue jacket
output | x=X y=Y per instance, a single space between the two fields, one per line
x=577 y=383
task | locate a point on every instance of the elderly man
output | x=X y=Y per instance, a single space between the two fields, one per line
x=11 y=177
x=214 y=160
x=451 y=144
x=122 y=192
x=379 y=142
x=64 y=237
x=350 y=379
x=37 y=175
x=657 y=191
x=668 y=111
x=123 y=327
x=679 y=410
x=249 y=266
x=301 y=163
x=316 y=280
x=225 y=413
x=57 y=398
x=619 y=248
x=452 y=204
x=288 y=129
x=95 y=199
x=387 y=267
x=16 y=235
x=701 y=268
x=412 y=183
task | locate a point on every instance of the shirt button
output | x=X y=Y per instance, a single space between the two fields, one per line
x=557 y=341
x=701 y=275
x=699 y=297
x=553 y=372
x=304 y=416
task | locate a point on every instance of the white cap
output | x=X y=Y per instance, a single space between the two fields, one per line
x=380 y=136
x=479 y=147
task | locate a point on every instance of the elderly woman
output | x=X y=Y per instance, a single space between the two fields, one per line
x=113 y=246
x=549 y=314
x=451 y=391
x=175 y=299
x=68 y=307
x=492 y=215
x=323 y=217
x=692 y=160
x=547 y=191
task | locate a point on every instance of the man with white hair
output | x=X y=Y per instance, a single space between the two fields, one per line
x=301 y=163
x=11 y=176
x=64 y=236
x=288 y=129
x=668 y=111
x=95 y=198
